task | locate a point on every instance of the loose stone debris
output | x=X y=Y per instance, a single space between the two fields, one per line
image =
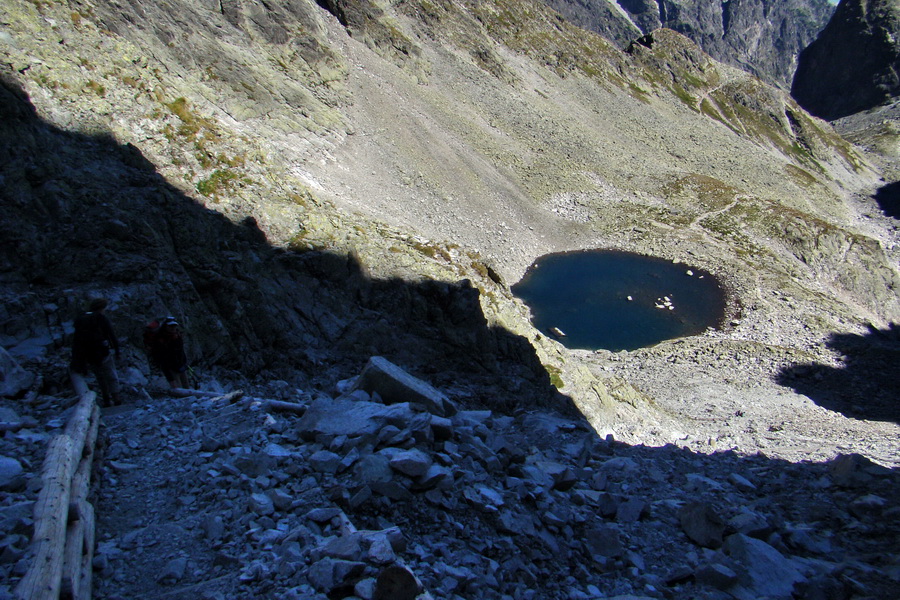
x=388 y=488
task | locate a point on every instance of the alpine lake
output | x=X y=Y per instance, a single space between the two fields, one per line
x=615 y=300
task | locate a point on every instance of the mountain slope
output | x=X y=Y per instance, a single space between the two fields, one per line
x=306 y=185
x=854 y=65
x=760 y=36
x=444 y=141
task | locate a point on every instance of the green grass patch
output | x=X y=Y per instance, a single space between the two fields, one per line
x=217 y=182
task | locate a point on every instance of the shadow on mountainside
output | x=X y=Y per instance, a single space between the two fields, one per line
x=888 y=198
x=865 y=387
x=84 y=214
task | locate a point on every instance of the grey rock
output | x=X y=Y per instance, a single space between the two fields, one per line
x=702 y=524
x=764 y=570
x=280 y=499
x=17 y=518
x=441 y=427
x=753 y=35
x=323 y=515
x=213 y=527
x=433 y=477
x=10 y=419
x=852 y=470
x=868 y=505
x=605 y=541
x=716 y=575
x=413 y=463
x=751 y=523
x=329 y=573
x=372 y=469
x=741 y=483
x=325 y=461
x=276 y=451
x=484 y=498
x=14 y=380
x=631 y=510
x=347 y=417
x=254 y=465
x=395 y=385
x=261 y=504
x=365 y=589
x=808 y=540
x=173 y=571
x=345 y=547
x=12 y=475
x=360 y=497
x=396 y=583
x=391 y=489
x=380 y=552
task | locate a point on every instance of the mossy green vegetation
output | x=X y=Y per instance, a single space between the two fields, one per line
x=217 y=182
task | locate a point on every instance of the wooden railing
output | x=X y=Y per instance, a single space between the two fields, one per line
x=62 y=547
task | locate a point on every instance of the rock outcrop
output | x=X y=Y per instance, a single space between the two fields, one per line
x=759 y=36
x=854 y=65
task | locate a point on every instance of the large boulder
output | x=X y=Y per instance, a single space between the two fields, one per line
x=14 y=380
x=395 y=385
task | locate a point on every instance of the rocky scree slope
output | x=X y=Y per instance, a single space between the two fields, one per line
x=384 y=489
x=759 y=36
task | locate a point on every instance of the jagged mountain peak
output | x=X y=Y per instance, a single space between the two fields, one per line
x=854 y=65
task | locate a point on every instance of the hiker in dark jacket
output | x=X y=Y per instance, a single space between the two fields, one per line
x=94 y=350
x=167 y=352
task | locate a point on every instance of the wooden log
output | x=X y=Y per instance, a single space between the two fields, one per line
x=186 y=393
x=279 y=406
x=70 y=583
x=82 y=478
x=80 y=422
x=231 y=397
x=42 y=581
x=76 y=584
x=52 y=512
x=87 y=559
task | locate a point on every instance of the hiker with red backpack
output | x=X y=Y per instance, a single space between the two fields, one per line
x=164 y=343
x=91 y=345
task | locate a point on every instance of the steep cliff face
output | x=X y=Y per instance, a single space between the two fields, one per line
x=762 y=37
x=854 y=64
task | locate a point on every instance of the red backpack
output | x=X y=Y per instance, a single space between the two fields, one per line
x=151 y=333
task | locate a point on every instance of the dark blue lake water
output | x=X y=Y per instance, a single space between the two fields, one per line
x=619 y=300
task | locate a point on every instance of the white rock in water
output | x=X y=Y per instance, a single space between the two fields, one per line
x=690 y=273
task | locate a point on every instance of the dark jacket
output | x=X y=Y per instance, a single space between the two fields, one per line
x=94 y=338
x=167 y=351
